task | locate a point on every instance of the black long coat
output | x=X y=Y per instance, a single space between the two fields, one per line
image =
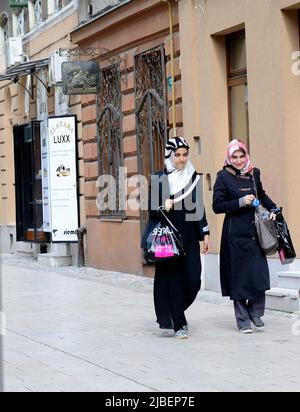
x=177 y=283
x=243 y=265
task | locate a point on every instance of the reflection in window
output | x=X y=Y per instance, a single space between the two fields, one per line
x=238 y=87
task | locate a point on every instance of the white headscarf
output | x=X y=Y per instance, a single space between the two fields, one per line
x=178 y=179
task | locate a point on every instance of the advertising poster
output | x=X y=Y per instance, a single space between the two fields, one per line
x=45 y=177
x=63 y=178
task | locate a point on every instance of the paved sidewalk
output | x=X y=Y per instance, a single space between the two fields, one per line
x=71 y=329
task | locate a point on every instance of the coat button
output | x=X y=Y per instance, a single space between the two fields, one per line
x=253 y=238
x=253 y=222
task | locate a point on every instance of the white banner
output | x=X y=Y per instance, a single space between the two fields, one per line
x=63 y=178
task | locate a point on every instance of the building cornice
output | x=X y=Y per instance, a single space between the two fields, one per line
x=113 y=17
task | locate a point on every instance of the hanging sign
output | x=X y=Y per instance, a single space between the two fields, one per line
x=81 y=77
x=63 y=178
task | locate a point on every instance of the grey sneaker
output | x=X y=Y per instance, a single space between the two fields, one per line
x=258 y=324
x=246 y=330
x=182 y=333
x=167 y=333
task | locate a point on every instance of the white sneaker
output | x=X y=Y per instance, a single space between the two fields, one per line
x=182 y=333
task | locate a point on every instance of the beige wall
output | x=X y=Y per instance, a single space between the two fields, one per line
x=272 y=35
x=38 y=44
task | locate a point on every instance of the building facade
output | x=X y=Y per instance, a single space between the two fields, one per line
x=127 y=124
x=30 y=33
x=231 y=71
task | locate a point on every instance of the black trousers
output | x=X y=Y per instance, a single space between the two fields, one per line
x=245 y=310
x=174 y=292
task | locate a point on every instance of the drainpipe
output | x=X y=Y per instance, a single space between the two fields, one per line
x=171 y=24
x=80 y=234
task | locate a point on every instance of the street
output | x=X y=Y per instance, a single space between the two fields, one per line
x=81 y=329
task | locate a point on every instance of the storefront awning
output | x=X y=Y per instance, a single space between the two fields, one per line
x=24 y=69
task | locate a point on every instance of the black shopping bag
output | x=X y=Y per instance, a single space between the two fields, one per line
x=286 y=249
x=164 y=242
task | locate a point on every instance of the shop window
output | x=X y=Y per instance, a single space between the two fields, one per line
x=109 y=103
x=238 y=86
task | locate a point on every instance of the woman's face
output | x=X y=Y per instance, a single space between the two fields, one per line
x=238 y=159
x=181 y=157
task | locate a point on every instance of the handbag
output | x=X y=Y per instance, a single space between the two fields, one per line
x=266 y=229
x=286 y=249
x=164 y=242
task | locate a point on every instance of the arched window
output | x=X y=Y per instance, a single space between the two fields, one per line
x=3 y=40
x=3 y=32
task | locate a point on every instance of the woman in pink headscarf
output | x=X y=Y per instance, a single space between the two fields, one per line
x=243 y=265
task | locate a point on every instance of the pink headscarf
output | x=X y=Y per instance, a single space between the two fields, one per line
x=235 y=145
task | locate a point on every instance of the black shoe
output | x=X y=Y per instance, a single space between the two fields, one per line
x=258 y=324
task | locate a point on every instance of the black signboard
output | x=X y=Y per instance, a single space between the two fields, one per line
x=80 y=77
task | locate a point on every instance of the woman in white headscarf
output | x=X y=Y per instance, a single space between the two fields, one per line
x=177 y=283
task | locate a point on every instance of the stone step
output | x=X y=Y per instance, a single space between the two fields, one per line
x=284 y=300
x=296 y=265
x=289 y=280
x=53 y=260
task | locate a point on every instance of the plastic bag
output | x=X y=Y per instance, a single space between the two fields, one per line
x=164 y=243
x=286 y=249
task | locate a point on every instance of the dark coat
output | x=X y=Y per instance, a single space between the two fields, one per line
x=177 y=283
x=158 y=197
x=243 y=265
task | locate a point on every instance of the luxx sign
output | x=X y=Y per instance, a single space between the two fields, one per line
x=63 y=178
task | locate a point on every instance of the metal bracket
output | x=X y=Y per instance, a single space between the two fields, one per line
x=31 y=92
x=96 y=52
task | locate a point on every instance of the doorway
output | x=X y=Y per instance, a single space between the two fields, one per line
x=28 y=184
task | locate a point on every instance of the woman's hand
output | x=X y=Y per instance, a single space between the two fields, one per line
x=248 y=200
x=273 y=216
x=207 y=245
x=169 y=204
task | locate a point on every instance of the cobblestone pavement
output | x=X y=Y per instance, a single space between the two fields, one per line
x=81 y=329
